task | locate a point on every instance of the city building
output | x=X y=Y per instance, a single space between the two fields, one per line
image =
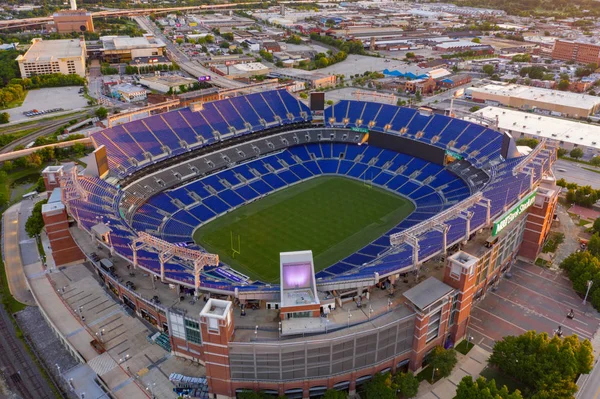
x=164 y=84
x=315 y=80
x=586 y=53
x=68 y=21
x=242 y=71
x=464 y=45
x=129 y=93
x=151 y=61
x=124 y=48
x=536 y=99
x=53 y=56
x=565 y=133
x=454 y=81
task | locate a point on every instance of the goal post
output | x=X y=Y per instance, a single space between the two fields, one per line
x=234 y=250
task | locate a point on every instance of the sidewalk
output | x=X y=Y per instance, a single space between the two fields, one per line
x=38 y=285
x=12 y=258
x=471 y=364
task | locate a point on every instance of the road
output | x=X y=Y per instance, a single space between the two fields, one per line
x=44 y=131
x=187 y=65
x=574 y=172
x=17 y=368
x=591 y=386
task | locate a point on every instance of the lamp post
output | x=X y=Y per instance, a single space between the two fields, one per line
x=370 y=311
x=589 y=285
x=349 y=316
x=433 y=374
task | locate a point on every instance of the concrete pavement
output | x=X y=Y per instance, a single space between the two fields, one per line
x=571 y=242
x=60 y=317
x=183 y=61
x=574 y=172
x=17 y=283
x=471 y=364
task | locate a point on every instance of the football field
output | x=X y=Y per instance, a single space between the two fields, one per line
x=332 y=216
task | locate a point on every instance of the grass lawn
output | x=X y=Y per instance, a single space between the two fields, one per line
x=464 y=347
x=332 y=216
x=492 y=373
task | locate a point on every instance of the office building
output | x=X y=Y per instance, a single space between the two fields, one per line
x=585 y=53
x=53 y=56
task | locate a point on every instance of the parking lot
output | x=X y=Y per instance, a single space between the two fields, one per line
x=67 y=98
x=532 y=299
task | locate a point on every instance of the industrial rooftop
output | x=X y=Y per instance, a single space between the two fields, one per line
x=48 y=50
x=583 y=134
x=538 y=94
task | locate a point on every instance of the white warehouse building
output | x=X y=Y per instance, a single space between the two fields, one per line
x=567 y=134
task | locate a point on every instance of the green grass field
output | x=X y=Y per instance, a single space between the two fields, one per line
x=332 y=216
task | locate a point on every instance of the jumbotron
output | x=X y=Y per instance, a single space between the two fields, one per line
x=293 y=249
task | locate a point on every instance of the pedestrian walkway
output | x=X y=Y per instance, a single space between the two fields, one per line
x=39 y=286
x=471 y=364
x=15 y=276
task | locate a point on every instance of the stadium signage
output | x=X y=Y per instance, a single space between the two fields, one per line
x=359 y=129
x=454 y=155
x=513 y=213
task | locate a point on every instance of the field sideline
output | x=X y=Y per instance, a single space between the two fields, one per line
x=332 y=216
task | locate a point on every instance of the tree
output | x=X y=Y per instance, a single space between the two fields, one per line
x=101 y=112
x=576 y=153
x=531 y=143
x=476 y=40
x=594 y=245
x=333 y=394
x=595 y=161
x=549 y=366
x=596 y=227
x=179 y=41
x=442 y=360
x=329 y=102
x=303 y=95
x=563 y=84
x=418 y=97
x=4 y=117
x=40 y=186
x=35 y=222
x=406 y=384
x=561 y=152
x=410 y=55
x=380 y=387
x=488 y=69
x=482 y=389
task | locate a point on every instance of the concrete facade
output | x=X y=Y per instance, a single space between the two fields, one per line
x=53 y=56
x=68 y=21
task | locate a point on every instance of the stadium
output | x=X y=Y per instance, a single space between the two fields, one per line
x=259 y=201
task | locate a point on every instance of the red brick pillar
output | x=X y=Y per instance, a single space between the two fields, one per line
x=64 y=248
